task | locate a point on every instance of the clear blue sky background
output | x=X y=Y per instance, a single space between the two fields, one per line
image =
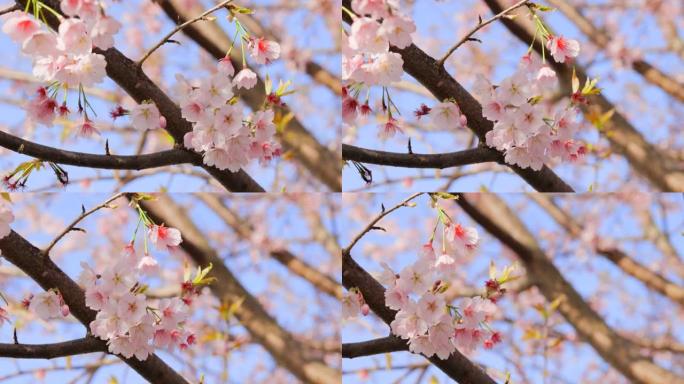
x=307 y=33
x=584 y=273
x=438 y=20
x=285 y=223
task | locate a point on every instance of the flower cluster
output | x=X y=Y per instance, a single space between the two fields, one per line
x=131 y=323
x=366 y=56
x=64 y=59
x=530 y=131
x=425 y=316
x=220 y=130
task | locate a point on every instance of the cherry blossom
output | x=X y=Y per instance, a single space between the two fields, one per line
x=431 y=324
x=145 y=116
x=447 y=114
x=562 y=49
x=48 y=305
x=6 y=218
x=263 y=51
x=164 y=237
x=246 y=79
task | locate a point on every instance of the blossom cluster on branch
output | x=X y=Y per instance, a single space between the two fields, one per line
x=530 y=128
x=426 y=317
x=65 y=60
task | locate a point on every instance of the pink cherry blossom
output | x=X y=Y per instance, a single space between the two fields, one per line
x=397 y=28
x=145 y=116
x=263 y=51
x=164 y=237
x=389 y=129
x=447 y=115
x=86 y=128
x=225 y=67
x=246 y=79
x=74 y=38
x=20 y=26
x=48 y=305
x=6 y=218
x=562 y=49
x=365 y=36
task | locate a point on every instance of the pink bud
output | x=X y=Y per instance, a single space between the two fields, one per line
x=365 y=309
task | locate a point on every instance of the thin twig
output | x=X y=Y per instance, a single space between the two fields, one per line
x=13 y=8
x=82 y=216
x=166 y=38
x=479 y=26
x=379 y=217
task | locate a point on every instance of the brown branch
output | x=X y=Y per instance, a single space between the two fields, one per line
x=614 y=254
x=413 y=160
x=374 y=347
x=321 y=162
x=501 y=222
x=90 y=160
x=77 y=220
x=443 y=86
x=376 y=219
x=82 y=346
x=661 y=170
x=240 y=226
x=133 y=80
x=180 y=27
x=479 y=26
x=40 y=268
x=264 y=329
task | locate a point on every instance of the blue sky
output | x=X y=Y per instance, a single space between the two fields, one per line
x=585 y=271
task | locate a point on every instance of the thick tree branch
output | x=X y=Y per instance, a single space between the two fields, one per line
x=286 y=351
x=323 y=163
x=80 y=159
x=413 y=160
x=374 y=347
x=614 y=254
x=129 y=76
x=499 y=220
x=244 y=230
x=82 y=346
x=660 y=169
x=40 y=268
x=443 y=86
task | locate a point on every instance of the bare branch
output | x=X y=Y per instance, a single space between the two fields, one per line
x=90 y=160
x=375 y=220
x=180 y=27
x=77 y=220
x=479 y=26
x=374 y=347
x=82 y=346
x=413 y=160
